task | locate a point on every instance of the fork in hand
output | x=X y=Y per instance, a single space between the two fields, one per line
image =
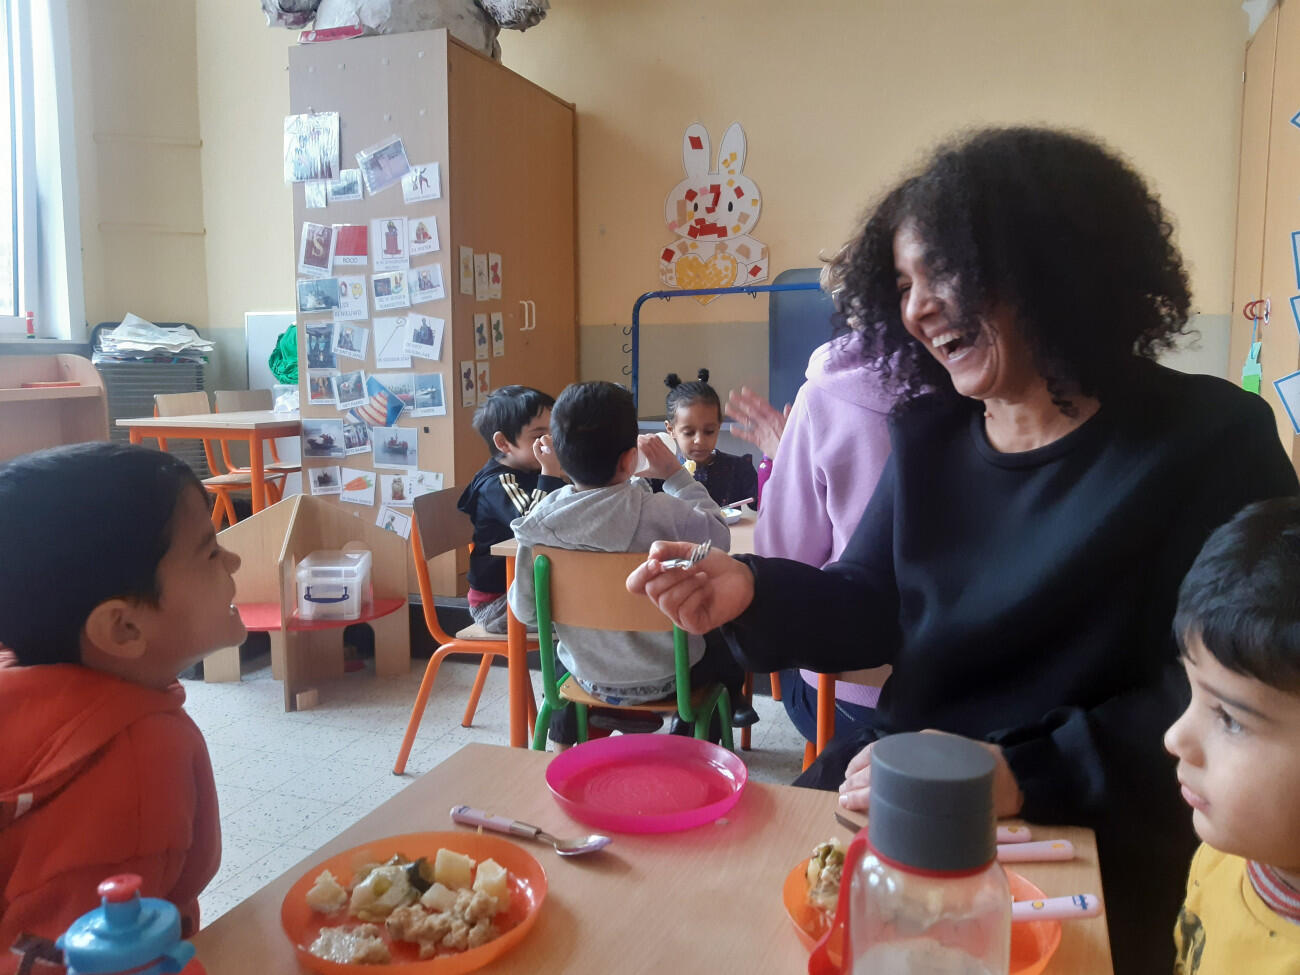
x=697 y=555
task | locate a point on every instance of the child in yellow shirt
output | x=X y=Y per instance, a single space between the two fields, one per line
x=1238 y=746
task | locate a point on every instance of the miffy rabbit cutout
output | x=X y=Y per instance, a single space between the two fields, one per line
x=713 y=212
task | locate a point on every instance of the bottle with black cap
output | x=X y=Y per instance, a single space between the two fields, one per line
x=927 y=894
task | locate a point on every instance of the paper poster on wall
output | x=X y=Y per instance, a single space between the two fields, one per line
x=325 y=480
x=351 y=245
x=392 y=490
x=481 y=335
x=426 y=284
x=322 y=438
x=392 y=520
x=422 y=182
x=494 y=276
x=401 y=385
x=395 y=447
x=426 y=337
x=713 y=212
x=388 y=290
x=1288 y=390
x=429 y=397
x=424 y=482
x=346 y=187
x=350 y=340
x=422 y=235
x=498 y=335
x=315 y=250
x=315 y=195
x=381 y=408
x=317 y=295
x=356 y=434
x=350 y=389
x=320 y=387
x=482 y=287
x=382 y=164
x=311 y=146
x=320 y=347
x=466 y=380
x=483 y=380
x=358 y=486
x=388 y=244
x=467 y=270
x=352 y=299
x=390 y=338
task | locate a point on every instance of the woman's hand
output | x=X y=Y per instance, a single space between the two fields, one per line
x=756 y=420
x=855 y=791
x=713 y=591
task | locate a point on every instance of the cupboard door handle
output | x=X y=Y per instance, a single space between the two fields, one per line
x=524 y=327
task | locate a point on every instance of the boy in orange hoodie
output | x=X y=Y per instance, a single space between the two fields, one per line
x=112 y=582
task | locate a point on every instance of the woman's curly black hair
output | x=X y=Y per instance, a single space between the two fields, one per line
x=1047 y=223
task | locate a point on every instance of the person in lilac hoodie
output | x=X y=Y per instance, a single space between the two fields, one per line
x=828 y=455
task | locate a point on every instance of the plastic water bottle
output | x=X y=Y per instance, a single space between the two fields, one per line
x=128 y=933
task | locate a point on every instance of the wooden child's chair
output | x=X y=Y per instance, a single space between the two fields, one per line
x=437 y=527
x=247 y=400
x=587 y=589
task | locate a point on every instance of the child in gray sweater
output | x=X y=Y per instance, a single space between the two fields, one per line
x=606 y=509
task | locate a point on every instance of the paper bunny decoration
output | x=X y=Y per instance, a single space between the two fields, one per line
x=712 y=212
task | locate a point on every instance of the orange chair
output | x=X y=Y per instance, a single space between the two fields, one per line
x=219 y=485
x=244 y=400
x=437 y=527
x=825 y=718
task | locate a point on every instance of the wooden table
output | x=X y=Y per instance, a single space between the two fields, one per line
x=742 y=543
x=253 y=427
x=649 y=904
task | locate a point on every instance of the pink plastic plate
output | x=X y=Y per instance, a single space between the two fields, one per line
x=646 y=783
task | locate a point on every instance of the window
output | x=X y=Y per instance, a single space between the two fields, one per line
x=8 y=169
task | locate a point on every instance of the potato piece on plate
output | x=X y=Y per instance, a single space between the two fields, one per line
x=492 y=879
x=452 y=869
x=439 y=897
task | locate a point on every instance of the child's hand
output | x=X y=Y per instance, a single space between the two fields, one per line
x=545 y=455
x=660 y=461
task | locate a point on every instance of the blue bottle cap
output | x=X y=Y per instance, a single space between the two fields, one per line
x=126 y=932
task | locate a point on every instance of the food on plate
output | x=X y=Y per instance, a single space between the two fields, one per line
x=825 y=867
x=449 y=905
x=362 y=945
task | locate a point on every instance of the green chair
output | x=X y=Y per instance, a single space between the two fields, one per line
x=587 y=589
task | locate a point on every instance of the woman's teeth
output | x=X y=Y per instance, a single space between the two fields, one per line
x=950 y=345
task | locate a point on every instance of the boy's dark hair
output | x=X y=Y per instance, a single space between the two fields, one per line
x=592 y=425
x=80 y=525
x=1242 y=595
x=684 y=394
x=509 y=409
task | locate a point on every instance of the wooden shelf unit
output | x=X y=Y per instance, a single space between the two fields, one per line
x=32 y=419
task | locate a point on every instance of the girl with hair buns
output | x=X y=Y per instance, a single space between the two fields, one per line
x=694 y=420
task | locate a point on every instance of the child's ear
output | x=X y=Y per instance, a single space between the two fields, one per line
x=668 y=425
x=114 y=630
x=501 y=442
x=626 y=465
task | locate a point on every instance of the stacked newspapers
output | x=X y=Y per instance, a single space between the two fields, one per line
x=136 y=340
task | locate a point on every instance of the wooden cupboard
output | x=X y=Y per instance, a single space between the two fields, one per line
x=35 y=414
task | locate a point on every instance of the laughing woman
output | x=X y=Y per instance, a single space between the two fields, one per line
x=1049 y=486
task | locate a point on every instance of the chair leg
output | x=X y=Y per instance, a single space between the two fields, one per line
x=775 y=680
x=541 y=725
x=417 y=712
x=217 y=512
x=582 y=722
x=230 y=508
x=480 y=679
x=809 y=753
x=532 y=708
x=748 y=690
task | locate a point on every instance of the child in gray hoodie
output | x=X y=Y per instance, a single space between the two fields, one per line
x=606 y=509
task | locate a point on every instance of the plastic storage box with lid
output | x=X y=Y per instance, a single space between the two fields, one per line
x=334 y=585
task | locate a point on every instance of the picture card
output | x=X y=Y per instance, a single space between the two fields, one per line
x=393 y=490
x=390 y=342
x=350 y=340
x=317 y=295
x=426 y=284
x=311 y=146
x=320 y=346
x=322 y=438
x=395 y=447
x=358 y=486
x=426 y=337
x=315 y=194
x=1288 y=390
x=390 y=519
x=324 y=480
x=467 y=270
x=399 y=384
x=356 y=434
x=424 y=482
x=352 y=299
x=498 y=335
x=349 y=391
x=320 y=387
x=483 y=380
x=388 y=244
x=422 y=235
x=346 y=187
x=482 y=286
x=481 y=335
x=494 y=276
x=316 y=250
x=389 y=290
x=466 y=380
x=382 y=408
x=351 y=245
x=382 y=164
x=422 y=182
x=429 y=397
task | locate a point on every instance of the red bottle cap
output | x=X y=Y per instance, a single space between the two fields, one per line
x=120 y=888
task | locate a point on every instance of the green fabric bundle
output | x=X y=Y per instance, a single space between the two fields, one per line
x=284 y=357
